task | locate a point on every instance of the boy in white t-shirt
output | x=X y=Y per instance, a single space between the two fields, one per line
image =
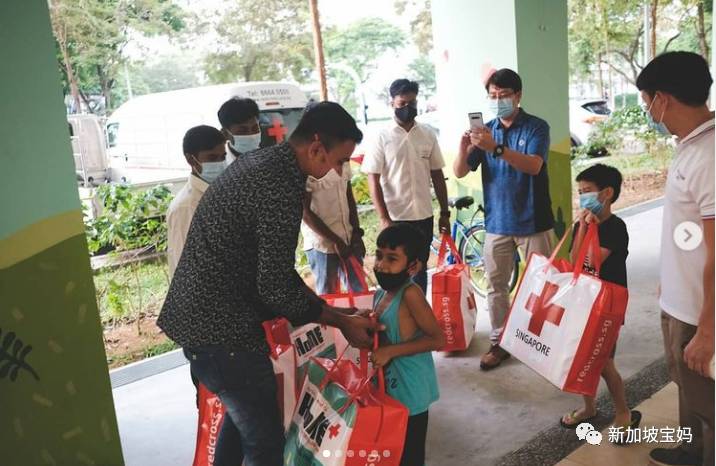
x=675 y=89
x=331 y=230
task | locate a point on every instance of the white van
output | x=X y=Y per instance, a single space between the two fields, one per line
x=145 y=134
x=88 y=149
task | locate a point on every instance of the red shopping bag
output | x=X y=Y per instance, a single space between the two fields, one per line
x=564 y=324
x=283 y=360
x=343 y=419
x=211 y=417
x=359 y=299
x=452 y=298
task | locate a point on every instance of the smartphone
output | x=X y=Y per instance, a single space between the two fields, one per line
x=476 y=120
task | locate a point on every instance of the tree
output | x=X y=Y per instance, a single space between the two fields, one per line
x=91 y=37
x=611 y=33
x=421 y=24
x=422 y=70
x=262 y=39
x=360 y=45
x=166 y=73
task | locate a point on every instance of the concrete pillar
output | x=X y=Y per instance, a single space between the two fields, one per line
x=55 y=398
x=473 y=36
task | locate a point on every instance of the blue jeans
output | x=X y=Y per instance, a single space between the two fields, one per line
x=326 y=269
x=252 y=431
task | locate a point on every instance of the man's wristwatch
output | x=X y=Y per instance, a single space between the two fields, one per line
x=499 y=150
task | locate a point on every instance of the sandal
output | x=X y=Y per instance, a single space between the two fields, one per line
x=576 y=421
x=635 y=421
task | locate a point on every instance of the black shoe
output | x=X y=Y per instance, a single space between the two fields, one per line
x=673 y=457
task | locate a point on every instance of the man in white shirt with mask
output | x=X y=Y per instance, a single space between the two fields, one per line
x=205 y=152
x=239 y=118
x=675 y=89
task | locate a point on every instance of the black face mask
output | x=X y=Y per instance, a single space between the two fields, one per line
x=392 y=281
x=406 y=114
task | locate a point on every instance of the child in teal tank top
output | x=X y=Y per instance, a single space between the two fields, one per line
x=411 y=334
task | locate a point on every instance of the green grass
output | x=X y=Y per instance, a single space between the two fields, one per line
x=160 y=348
x=127 y=291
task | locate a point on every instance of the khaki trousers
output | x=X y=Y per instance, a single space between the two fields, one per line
x=499 y=255
x=696 y=393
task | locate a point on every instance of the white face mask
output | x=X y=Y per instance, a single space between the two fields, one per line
x=246 y=142
x=211 y=170
x=326 y=181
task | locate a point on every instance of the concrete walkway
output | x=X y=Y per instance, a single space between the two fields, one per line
x=481 y=418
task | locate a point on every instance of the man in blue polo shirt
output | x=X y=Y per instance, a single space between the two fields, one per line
x=512 y=150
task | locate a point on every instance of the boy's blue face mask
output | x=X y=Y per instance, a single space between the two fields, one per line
x=591 y=202
x=659 y=127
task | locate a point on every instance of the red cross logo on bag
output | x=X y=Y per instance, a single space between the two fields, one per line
x=334 y=430
x=543 y=309
x=277 y=130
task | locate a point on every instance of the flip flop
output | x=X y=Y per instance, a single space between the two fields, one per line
x=579 y=421
x=635 y=421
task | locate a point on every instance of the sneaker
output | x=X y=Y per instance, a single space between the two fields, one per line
x=673 y=457
x=493 y=358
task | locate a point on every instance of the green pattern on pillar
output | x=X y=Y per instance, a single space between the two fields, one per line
x=56 y=403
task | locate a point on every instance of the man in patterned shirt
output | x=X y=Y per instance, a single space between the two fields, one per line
x=238 y=270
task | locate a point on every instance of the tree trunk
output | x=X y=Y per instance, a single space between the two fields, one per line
x=701 y=33
x=106 y=87
x=601 y=75
x=71 y=79
x=652 y=25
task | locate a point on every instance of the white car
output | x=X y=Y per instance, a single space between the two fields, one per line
x=583 y=115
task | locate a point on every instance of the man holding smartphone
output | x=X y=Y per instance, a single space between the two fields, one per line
x=512 y=150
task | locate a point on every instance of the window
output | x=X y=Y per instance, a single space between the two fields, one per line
x=277 y=125
x=112 y=130
x=598 y=107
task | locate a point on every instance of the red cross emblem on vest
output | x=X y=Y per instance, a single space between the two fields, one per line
x=543 y=309
x=277 y=130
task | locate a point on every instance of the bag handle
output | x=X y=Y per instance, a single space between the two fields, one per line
x=589 y=244
x=358 y=271
x=446 y=242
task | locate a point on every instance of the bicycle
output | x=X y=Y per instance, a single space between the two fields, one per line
x=470 y=240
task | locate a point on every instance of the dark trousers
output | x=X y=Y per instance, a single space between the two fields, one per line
x=426 y=228
x=414 y=450
x=252 y=432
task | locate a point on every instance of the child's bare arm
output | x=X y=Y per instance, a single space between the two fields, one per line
x=432 y=338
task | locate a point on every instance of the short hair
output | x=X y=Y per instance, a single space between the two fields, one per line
x=604 y=177
x=237 y=110
x=504 y=78
x=201 y=138
x=330 y=122
x=403 y=86
x=685 y=75
x=402 y=234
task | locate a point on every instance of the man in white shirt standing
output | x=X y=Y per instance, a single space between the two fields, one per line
x=675 y=88
x=205 y=152
x=331 y=232
x=401 y=164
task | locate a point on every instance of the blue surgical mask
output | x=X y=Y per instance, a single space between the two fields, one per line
x=659 y=127
x=210 y=171
x=591 y=202
x=246 y=143
x=501 y=108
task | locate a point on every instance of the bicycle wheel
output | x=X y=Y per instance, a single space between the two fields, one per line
x=471 y=251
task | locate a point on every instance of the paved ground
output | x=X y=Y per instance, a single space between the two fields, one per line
x=480 y=418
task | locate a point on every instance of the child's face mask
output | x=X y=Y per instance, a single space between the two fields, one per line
x=591 y=202
x=391 y=281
